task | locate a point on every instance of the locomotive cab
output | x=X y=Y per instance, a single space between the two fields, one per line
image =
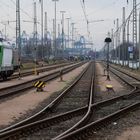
x=6 y=60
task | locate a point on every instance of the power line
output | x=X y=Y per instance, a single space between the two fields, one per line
x=84 y=11
x=104 y=7
x=22 y=10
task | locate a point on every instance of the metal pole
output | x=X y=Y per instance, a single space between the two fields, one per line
x=117 y=44
x=55 y=51
x=35 y=38
x=112 y=44
x=45 y=34
x=139 y=40
x=128 y=42
x=119 y=34
x=72 y=35
x=55 y=47
x=18 y=36
x=123 y=38
x=42 y=44
x=134 y=31
x=108 y=77
x=58 y=29
x=68 y=31
x=59 y=47
x=62 y=33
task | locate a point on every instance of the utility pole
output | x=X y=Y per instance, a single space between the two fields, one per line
x=123 y=38
x=18 y=36
x=139 y=40
x=134 y=31
x=62 y=12
x=72 y=24
x=128 y=53
x=42 y=44
x=45 y=33
x=59 y=47
x=55 y=50
x=35 y=38
x=112 y=43
x=58 y=29
x=117 y=42
x=68 y=31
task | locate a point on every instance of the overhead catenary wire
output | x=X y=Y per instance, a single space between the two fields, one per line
x=22 y=10
x=104 y=7
x=85 y=15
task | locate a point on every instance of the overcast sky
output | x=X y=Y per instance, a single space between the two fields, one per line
x=107 y=10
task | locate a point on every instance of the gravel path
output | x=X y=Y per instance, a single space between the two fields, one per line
x=76 y=97
x=27 y=104
x=115 y=129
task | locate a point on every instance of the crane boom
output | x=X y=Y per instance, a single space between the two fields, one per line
x=96 y=21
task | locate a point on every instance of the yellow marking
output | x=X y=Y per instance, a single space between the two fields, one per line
x=40 y=84
x=43 y=86
x=36 y=83
x=109 y=86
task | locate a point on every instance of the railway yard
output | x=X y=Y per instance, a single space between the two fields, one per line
x=77 y=102
x=70 y=70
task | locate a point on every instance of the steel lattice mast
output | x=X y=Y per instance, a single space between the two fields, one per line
x=123 y=37
x=134 y=26
x=42 y=43
x=35 y=37
x=18 y=33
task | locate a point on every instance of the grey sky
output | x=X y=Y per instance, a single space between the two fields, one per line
x=95 y=9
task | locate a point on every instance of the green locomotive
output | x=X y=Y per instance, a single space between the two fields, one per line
x=8 y=59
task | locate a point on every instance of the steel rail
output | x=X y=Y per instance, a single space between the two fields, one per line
x=49 y=107
x=132 y=94
x=62 y=117
x=123 y=79
x=134 y=89
x=15 y=89
x=88 y=130
x=126 y=73
x=39 y=69
x=86 y=117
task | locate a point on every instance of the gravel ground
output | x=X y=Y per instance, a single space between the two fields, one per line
x=39 y=105
x=115 y=129
x=101 y=82
x=75 y=98
x=104 y=111
x=53 y=131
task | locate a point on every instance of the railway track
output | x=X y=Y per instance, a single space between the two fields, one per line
x=15 y=89
x=126 y=77
x=108 y=111
x=39 y=70
x=84 y=84
x=59 y=120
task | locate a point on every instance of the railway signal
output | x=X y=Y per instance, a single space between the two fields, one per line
x=108 y=40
